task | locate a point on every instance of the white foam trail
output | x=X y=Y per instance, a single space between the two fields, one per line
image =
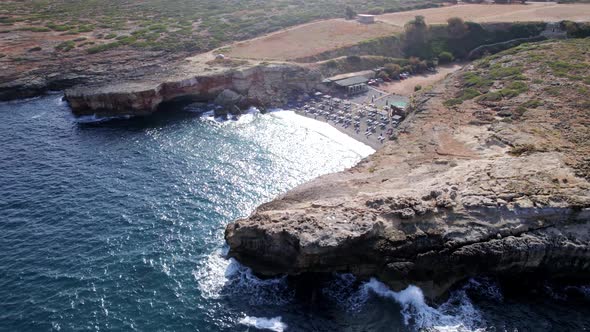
x=272 y=324
x=98 y=119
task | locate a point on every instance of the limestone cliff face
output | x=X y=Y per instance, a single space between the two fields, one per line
x=266 y=85
x=480 y=188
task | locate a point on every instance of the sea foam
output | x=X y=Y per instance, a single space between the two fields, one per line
x=262 y=323
x=218 y=276
x=456 y=314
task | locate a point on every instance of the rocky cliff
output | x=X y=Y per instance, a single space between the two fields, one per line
x=260 y=84
x=488 y=175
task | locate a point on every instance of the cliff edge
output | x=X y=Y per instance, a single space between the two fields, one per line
x=489 y=174
x=199 y=78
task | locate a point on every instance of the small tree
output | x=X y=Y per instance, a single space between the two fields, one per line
x=382 y=75
x=416 y=38
x=456 y=27
x=350 y=13
x=393 y=70
x=445 y=57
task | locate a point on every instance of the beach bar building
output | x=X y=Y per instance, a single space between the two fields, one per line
x=352 y=85
x=349 y=83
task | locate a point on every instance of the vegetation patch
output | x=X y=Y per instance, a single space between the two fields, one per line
x=465 y=94
x=522 y=149
x=65 y=46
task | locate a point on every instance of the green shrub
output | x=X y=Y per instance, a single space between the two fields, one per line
x=519 y=112
x=86 y=28
x=498 y=72
x=35 y=29
x=65 y=46
x=445 y=57
x=513 y=89
x=103 y=47
x=35 y=49
x=491 y=96
x=418 y=87
x=466 y=94
x=110 y=36
x=452 y=102
x=56 y=27
x=472 y=79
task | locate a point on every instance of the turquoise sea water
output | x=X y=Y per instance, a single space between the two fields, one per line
x=119 y=226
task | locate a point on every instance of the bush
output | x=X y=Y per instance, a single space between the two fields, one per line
x=393 y=70
x=445 y=57
x=350 y=13
x=491 y=96
x=65 y=46
x=35 y=29
x=418 y=87
x=376 y=11
x=103 y=47
x=56 y=27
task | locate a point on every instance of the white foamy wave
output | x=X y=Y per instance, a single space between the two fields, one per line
x=272 y=324
x=457 y=314
x=214 y=273
x=98 y=119
x=218 y=277
x=246 y=117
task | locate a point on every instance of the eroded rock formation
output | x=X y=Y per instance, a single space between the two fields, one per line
x=269 y=84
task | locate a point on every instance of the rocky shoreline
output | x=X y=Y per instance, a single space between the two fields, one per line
x=455 y=195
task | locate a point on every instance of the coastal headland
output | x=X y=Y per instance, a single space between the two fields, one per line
x=488 y=175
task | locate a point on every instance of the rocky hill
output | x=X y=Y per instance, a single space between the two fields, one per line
x=489 y=174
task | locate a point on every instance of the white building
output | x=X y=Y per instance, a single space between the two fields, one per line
x=365 y=18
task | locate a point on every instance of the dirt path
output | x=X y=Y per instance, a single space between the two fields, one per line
x=406 y=87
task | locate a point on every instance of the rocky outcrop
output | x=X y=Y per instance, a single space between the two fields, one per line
x=251 y=84
x=454 y=195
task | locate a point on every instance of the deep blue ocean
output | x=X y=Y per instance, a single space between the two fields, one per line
x=118 y=226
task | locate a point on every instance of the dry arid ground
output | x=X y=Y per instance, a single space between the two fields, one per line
x=310 y=39
x=406 y=87
x=483 y=13
x=318 y=37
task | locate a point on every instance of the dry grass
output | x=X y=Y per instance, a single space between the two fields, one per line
x=309 y=39
x=484 y=13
